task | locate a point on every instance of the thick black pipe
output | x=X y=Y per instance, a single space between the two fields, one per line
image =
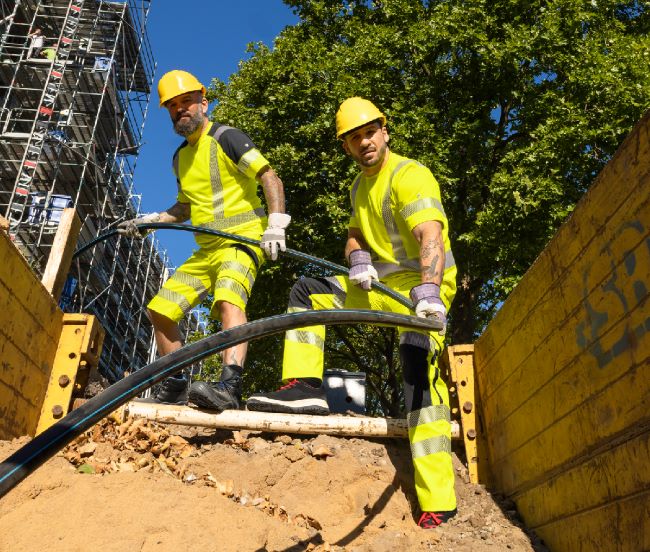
x=299 y=255
x=26 y=459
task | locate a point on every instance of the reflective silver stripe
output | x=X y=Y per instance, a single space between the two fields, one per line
x=236 y=287
x=338 y=301
x=240 y=268
x=421 y=205
x=431 y=446
x=449 y=259
x=246 y=160
x=227 y=222
x=175 y=298
x=353 y=193
x=215 y=182
x=428 y=414
x=384 y=269
x=301 y=336
x=217 y=133
x=190 y=281
x=416 y=339
x=399 y=251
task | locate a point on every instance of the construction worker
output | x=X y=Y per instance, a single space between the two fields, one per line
x=217 y=169
x=397 y=234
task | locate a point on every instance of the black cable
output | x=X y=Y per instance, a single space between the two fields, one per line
x=299 y=255
x=26 y=459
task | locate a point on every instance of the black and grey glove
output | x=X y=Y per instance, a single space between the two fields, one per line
x=130 y=229
x=273 y=238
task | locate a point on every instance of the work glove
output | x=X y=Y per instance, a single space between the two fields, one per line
x=426 y=298
x=362 y=273
x=129 y=229
x=273 y=238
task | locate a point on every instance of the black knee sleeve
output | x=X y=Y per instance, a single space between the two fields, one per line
x=415 y=370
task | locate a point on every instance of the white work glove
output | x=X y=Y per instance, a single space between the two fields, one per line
x=426 y=298
x=273 y=237
x=129 y=229
x=362 y=273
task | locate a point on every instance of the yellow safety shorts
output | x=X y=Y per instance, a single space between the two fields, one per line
x=227 y=272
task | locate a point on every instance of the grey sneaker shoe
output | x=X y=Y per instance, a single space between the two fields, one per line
x=172 y=390
x=220 y=395
x=296 y=397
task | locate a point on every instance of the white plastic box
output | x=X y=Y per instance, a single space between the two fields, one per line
x=346 y=391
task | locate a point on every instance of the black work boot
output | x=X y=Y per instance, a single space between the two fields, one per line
x=172 y=390
x=221 y=395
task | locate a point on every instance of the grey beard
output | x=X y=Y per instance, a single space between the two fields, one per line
x=185 y=128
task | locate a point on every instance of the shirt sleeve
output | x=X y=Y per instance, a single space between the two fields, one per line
x=418 y=196
x=238 y=146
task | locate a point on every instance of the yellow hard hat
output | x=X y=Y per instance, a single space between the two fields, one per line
x=356 y=112
x=175 y=83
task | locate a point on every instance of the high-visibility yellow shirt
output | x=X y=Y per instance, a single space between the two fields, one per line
x=387 y=207
x=217 y=177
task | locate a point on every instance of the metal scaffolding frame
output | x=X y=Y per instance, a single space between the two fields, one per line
x=74 y=96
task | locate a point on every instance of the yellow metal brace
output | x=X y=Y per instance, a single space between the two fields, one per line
x=78 y=352
x=459 y=360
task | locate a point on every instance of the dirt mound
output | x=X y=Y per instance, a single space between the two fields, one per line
x=143 y=486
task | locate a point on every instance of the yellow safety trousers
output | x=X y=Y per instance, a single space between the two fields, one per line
x=429 y=425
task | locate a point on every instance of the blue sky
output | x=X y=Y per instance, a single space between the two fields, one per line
x=208 y=39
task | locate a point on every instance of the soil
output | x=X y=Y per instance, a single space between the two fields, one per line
x=140 y=486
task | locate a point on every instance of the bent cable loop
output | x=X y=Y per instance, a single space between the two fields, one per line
x=45 y=445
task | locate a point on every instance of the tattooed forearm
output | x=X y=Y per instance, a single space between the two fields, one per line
x=273 y=191
x=432 y=263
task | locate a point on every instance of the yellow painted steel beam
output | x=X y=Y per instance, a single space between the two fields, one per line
x=459 y=361
x=78 y=351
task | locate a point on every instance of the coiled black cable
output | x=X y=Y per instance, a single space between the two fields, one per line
x=26 y=459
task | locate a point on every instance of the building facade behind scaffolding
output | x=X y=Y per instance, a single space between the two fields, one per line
x=75 y=83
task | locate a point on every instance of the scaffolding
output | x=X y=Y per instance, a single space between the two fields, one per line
x=75 y=83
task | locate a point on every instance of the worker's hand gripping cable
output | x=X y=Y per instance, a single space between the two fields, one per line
x=362 y=273
x=426 y=298
x=273 y=239
x=129 y=228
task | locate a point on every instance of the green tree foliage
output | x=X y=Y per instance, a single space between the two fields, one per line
x=514 y=105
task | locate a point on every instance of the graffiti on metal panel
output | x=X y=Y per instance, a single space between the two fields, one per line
x=626 y=287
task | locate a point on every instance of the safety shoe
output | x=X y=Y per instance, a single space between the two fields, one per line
x=431 y=520
x=172 y=390
x=296 y=397
x=220 y=395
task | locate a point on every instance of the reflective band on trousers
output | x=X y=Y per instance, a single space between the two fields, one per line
x=175 y=298
x=235 y=287
x=240 y=268
x=301 y=336
x=432 y=445
x=190 y=281
x=428 y=414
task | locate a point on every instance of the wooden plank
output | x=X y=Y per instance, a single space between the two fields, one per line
x=63 y=247
x=608 y=477
x=623 y=526
x=624 y=405
x=604 y=269
x=629 y=173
